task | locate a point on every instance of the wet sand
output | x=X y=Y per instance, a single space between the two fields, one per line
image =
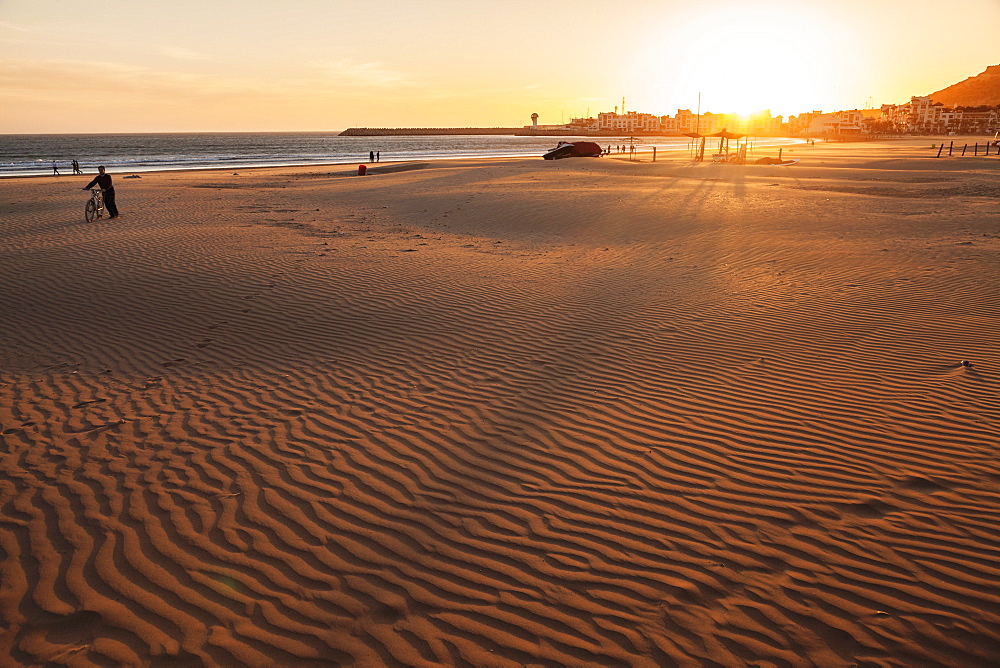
x=506 y=413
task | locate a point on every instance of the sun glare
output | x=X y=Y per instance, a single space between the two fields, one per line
x=742 y=60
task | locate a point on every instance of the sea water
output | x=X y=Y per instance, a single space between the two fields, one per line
x=22 y=155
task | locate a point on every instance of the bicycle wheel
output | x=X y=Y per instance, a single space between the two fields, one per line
x=90 y=212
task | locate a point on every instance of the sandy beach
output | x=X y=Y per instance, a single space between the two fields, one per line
x=504 y=413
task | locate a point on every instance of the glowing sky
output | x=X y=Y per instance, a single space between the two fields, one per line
x=217 y=65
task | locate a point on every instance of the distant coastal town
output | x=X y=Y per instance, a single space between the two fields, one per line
x=921 y=115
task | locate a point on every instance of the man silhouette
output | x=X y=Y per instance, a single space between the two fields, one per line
x=103 y=181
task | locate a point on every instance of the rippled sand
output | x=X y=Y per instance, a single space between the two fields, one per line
x=506 y=413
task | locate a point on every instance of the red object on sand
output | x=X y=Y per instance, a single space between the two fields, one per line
x=362 y=169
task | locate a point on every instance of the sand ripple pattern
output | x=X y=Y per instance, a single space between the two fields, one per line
x=716 y=434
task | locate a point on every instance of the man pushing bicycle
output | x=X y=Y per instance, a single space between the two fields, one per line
x=103 y=180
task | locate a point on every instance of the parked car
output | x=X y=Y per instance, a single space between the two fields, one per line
x=578 y=149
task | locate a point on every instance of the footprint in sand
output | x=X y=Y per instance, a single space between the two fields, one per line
x=92 y=401
x=922 y=484
x=871 y=508
x=71 y=629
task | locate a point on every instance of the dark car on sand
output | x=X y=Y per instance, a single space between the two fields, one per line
x=578 y=149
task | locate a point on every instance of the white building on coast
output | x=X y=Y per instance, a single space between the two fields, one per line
x=922 y=115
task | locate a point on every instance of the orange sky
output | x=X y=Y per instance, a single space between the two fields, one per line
x=218 y=65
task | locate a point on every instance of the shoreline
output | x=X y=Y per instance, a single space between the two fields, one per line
x=663 y=154
x=123 y=161
x=373 y=168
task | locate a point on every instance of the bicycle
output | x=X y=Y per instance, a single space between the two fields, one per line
x=95 y=207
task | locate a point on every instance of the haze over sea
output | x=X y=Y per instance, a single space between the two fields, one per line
x=23 y=155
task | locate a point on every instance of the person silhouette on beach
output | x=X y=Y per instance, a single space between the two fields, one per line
x=76 y=167
x=378 y=156
x=103 y=181
x=371 y=156
x=55 y=169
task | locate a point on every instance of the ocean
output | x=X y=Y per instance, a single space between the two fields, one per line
x=23 y=155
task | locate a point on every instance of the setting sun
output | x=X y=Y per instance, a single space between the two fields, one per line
x=747 y=58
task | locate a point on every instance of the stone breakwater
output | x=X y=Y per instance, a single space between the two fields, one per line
x=522 y=132
x=382 y=132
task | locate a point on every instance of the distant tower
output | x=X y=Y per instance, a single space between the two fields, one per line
x=534 y=121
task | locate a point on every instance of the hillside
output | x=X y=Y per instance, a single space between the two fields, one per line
x=982 y=89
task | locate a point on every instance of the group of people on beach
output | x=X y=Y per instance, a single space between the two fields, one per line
x=55 y=168
x=374 y=156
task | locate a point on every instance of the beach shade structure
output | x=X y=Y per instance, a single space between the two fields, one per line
x=724 y=138
x=727 y=135
x=579 y=149
x=701 y=149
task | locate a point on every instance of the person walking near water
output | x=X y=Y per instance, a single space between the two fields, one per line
x=378 y=156
x=55 y=169
x=76 y=167
x=371 y=156
x=103 y=181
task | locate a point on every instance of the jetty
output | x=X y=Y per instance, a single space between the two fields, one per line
x=519 y=132
x=384 y=132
